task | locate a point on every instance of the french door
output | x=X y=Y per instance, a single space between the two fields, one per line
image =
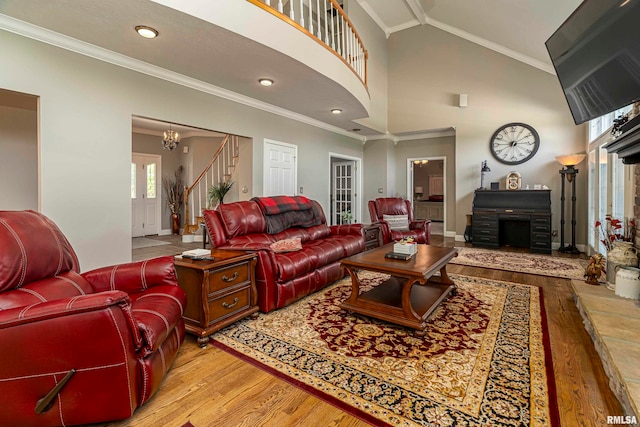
x=344 y=192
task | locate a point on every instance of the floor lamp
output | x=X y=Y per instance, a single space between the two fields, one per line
x=569 y=172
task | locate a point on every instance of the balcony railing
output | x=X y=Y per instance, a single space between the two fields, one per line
x=328 y=24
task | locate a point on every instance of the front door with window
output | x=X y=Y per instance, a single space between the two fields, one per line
x=144 y=200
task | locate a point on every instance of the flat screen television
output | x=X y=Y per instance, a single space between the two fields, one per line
x=596 y=54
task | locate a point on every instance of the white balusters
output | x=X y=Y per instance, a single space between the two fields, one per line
x=338 y=35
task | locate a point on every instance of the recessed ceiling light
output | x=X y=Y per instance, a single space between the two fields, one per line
x=265 y=82
x=147 y=32
x=336 y=111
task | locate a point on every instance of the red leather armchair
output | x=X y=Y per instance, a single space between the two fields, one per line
x=419 y=230
x=79 y=348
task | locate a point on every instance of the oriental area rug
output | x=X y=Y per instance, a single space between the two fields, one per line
x=543 y=265
x=485 y=358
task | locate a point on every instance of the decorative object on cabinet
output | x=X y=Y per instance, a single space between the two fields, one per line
x=569 y=172
x=514 y=181
x=495 y=185
x=483 y=170
x=220 y=292
x=514 y=143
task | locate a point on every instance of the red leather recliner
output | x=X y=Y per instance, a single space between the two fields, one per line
x=419 y=230
x=79 y=348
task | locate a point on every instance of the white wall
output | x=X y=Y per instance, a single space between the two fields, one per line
x=18 y=158
x=85 y=139
x=428 y=68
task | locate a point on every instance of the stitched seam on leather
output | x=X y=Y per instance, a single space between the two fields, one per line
x=66 y=279
x=70 y=303
x=48 y=374
x=112 y=279
x=143 y=278
x=164 y=295
x=24 y=311
x=145 y=310
x=34 y=293
x=124 y=353
x=23 y=267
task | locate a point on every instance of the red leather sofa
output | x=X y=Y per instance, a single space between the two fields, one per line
x=283 y=278
x=419 y=230
x=79 y=348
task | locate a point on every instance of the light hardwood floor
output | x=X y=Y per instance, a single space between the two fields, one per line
x=209 y=387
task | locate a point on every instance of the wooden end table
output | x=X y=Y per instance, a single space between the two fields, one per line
x=397 y=300
x=219 y=292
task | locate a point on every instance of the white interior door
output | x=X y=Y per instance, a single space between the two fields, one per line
x=144 y=195
x=280 y=168
x=344 y=191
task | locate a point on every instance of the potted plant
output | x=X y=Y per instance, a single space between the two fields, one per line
x=174 y=192
x=217 y=192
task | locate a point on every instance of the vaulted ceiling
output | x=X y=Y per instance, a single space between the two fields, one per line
x=514 y=28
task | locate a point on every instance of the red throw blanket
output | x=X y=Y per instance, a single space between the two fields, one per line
x=279 y=204
x=283 y=212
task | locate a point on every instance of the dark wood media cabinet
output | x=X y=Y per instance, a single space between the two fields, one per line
x=519 y=218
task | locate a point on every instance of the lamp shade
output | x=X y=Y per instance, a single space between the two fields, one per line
x=419 y=190
x=571 y=159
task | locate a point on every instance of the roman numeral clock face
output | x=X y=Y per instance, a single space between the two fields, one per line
x=514 y=143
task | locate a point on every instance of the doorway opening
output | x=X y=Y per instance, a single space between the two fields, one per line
x=427 y=190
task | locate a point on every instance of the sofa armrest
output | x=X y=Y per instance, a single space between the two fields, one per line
x=346 y=229
x=77 y=306
x=133 y=277
x=423 y=224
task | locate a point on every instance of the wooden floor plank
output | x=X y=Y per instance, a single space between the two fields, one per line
x=212 y=388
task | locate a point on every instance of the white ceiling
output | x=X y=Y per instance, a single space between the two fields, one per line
x=217 y=57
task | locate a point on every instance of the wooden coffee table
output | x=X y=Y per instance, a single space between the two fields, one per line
x=397 y=300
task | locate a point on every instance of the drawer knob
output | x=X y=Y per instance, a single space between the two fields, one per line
x=233 y=304
x=230 y=279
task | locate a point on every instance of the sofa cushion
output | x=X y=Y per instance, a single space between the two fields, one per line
x=241 y=218
x=64 y=285
x=318 y=232
x=397 y=222
x=314 y=254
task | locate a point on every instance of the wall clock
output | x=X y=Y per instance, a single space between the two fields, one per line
x=514 y=143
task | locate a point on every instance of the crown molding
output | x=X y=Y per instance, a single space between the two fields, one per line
x=427 y=134
x=493 y=46
x=44 y=35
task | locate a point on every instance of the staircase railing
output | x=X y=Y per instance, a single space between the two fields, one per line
x=219 y=169
x=327 y=23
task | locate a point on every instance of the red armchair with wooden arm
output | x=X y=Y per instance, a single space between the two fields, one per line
x=397 y=207
x=79 y=348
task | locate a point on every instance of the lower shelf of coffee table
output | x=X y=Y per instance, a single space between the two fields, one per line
x=384 y=302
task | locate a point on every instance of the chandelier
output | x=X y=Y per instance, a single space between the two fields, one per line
x=170 y=139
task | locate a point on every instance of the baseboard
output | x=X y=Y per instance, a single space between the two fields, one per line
x=450 y=234
x=459 y=237
x=166 y=232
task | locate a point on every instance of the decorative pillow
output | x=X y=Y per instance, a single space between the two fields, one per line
x=286 y=245
x=397 y=222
